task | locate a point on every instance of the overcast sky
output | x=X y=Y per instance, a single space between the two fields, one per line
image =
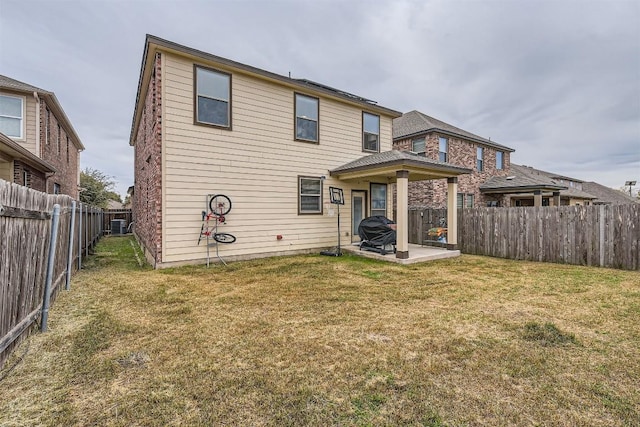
x=558 y=81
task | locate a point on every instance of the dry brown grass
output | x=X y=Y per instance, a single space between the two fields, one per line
x=314 y=340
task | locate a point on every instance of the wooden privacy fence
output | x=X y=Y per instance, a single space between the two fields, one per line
x=28 y=262
x=601 y=235
x=111 y=214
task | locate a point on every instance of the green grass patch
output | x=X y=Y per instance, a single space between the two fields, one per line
x=317 y=341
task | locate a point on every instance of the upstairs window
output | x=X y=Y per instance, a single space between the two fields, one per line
x=419 y=146
x=213 y=98
x=499 y=160
x=306 y=110
x=47 y=126
x=379 y=199
x=443 y=151
x=370 y=132
x=480 y=159
x=469 y=200
x=58 y=139
x=309 y=195
x=11 y=113
x=56 y=188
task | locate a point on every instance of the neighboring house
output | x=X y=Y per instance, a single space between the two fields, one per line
x=34 y=119
x=607 y=196
x=440 y=141
x=205 y=125
x=114 y=204
x=19 y=165
x=525 y=184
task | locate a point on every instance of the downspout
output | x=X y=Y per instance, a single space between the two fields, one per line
x=37 y=98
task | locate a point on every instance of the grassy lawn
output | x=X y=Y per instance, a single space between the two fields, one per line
x=313 y=340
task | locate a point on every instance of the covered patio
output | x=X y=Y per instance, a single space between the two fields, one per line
x=400 y=167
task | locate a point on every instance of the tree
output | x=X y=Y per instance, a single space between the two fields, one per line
x=96 y=188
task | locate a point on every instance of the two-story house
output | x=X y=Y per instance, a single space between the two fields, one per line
x=34 y=120
x=206 y=125
x=440 y=141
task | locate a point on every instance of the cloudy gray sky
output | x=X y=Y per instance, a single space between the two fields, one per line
x=558 y=81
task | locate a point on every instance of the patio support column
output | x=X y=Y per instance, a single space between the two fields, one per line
x=402 y=216
x=556 y=198
x=537 y=198
x=452 y=212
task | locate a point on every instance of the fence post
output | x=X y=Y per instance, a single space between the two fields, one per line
x=80 y=238
x=70 y=253
x=602 y=225
x=55 y=223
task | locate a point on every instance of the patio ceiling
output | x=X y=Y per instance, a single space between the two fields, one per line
x=384 y=166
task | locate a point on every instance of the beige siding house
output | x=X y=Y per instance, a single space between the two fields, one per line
x=274 y=145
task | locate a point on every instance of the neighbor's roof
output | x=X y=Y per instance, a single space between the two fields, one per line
x=415 y=123
x=18 y=152
x=153 y=44
x=606 y=195
x=15 y=85
x=526 y=179
x=395 y=157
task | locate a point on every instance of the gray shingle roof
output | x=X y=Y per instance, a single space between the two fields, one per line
x=528 y=179
x=13 y=84
x=606 y=195
x=395 y=156
x=415 y=122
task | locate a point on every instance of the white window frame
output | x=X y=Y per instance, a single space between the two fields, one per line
x=373 y=209
x=500 y=165
x=446 y=152
x=23 y=101
x=422 y=153
x=319 y=195
x=480 y=159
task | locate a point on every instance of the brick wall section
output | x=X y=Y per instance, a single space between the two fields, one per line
x=462 y=152
x=35 y=178
x=59 y=153
x=147 y=196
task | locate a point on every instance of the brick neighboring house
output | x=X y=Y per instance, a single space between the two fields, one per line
x=440 y=141
x=34 y=119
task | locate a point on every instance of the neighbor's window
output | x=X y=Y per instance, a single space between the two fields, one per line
x=47 y=125
x=11 y=115
x=443 y=151
x=379 y=199
x=419 y=146
x=56 y=188
x=469 y=200
x=58 y=139
x=370 y=132
x=460 y=200
x=213 y=97
x=309 y=195
x=499 y=160
x=480 y=159
x=25 y=178
x=306 y=118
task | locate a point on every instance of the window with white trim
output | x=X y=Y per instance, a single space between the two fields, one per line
x=469 y=200
x=443 y=149
x=213 y=97
x=419 y=146
x=480 y=159
x=309 y=195
x=378 y=199
x=306 y=117
x=499 y=160
x=370 y=132
x=11 y=116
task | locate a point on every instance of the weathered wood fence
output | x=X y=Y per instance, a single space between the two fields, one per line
x=604 y=235
x=26 y=219
x=111 y=214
